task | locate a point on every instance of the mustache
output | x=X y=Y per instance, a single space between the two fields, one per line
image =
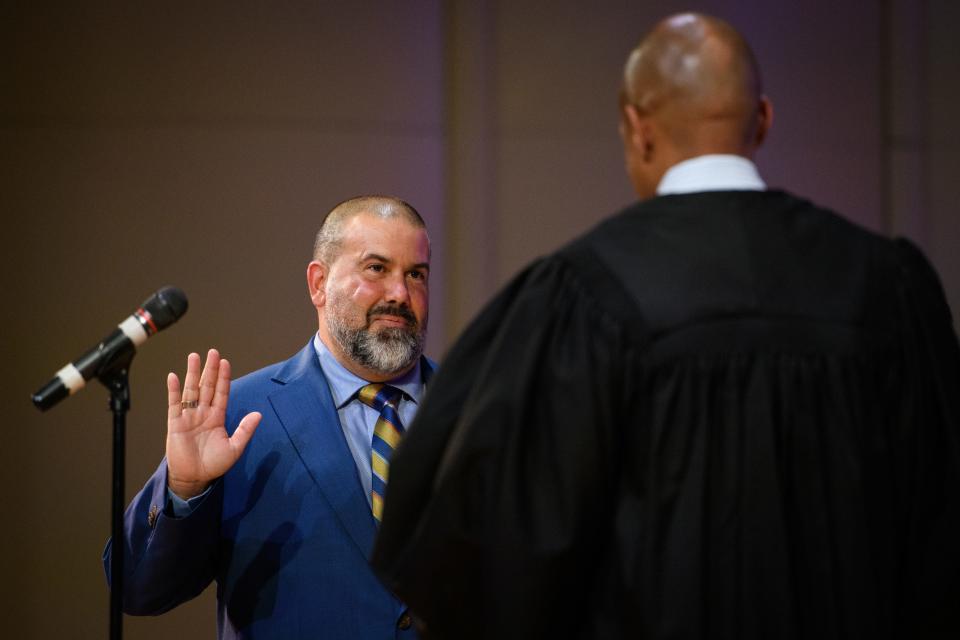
x=393 y=310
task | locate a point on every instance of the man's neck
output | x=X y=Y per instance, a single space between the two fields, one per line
x=712 y=172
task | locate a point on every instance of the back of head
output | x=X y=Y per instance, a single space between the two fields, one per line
x=327 y=242
x=698 y=77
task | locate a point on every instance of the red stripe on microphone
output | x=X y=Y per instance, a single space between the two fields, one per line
x=146 y=318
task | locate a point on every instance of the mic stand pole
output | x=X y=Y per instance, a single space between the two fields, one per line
x=117 y=379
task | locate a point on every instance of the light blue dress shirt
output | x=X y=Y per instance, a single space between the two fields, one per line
x=356 y=419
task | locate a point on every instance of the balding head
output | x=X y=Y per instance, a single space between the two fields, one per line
x=327 y=243
x=690 y=88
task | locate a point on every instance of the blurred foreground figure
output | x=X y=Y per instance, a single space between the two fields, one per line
x=723 y=413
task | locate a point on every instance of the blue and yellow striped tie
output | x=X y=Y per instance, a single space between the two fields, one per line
x=386 y=436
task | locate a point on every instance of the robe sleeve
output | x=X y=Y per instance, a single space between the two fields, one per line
x=930 y=424
x=509 y=470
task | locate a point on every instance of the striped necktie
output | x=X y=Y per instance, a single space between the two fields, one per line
x=386 y=436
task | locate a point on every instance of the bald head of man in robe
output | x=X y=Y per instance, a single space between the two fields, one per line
x=690 y=88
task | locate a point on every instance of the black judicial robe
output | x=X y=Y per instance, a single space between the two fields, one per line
x=716 y=415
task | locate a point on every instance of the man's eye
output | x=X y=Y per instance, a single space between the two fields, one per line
x=417 y=275
x=375 y=267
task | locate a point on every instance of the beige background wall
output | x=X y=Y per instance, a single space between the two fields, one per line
x=199 y=144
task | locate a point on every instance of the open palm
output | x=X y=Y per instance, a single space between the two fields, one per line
x=198 y=448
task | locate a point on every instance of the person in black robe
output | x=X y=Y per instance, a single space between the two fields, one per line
x=725 y=412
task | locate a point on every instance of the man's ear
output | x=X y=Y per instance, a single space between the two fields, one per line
x=316 y=283
x=637 y=132
x=764 y=120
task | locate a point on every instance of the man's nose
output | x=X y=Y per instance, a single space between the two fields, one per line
x=397 y=292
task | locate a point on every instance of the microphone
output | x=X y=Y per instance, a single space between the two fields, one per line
x=158 y=312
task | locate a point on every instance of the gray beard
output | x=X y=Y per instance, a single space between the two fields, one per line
x=388 y=351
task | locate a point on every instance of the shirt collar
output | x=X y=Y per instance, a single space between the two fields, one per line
x=344 y=384
x=714 y=172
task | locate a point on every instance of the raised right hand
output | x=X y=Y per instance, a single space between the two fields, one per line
x=198 y=448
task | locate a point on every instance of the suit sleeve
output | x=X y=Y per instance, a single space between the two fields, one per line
x=167 y=560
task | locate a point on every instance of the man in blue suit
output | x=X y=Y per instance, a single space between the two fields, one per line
x=285 y=521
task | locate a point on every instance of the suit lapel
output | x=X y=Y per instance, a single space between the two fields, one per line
x=427 y=368
x=307 y=413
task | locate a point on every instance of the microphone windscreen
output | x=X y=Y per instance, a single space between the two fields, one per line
x=166 y=306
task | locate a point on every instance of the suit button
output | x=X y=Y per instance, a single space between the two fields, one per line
x=404 y=622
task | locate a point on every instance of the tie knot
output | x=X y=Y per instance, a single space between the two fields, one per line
x=377 y=395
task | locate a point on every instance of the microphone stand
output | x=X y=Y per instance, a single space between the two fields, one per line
x=116 y=378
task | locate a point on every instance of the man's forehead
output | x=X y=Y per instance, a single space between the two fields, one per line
x=370 y=233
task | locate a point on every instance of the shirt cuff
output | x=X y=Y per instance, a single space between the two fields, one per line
x=180 y=508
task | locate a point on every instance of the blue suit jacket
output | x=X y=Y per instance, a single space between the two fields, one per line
x=286 y=533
